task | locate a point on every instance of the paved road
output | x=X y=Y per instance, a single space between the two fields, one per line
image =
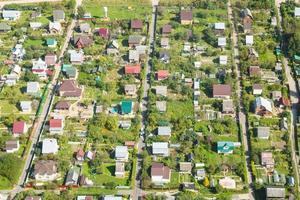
x=45 y=110
x=241 y=115
x=2 y=3
x=137 y=190
x=294 y=96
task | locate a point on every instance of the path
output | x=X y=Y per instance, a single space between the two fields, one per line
x=3 y=3
x=241 y=114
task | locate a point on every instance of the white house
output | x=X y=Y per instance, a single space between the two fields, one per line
x=49 y=146
x=249 y=40
x=33 y=88
x=121 y=153
x=164 y=131
x=220 y=26
x=257 y=89
x=26 y=106
x=11 y=14
x=35 y=25
x=120 y=169
x=297 y=12
x=55 y=27
x=18 y=51
x=223 y=60
x=221 y=42
x=160 y=148
x=39 y=67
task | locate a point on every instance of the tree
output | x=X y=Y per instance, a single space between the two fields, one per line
x=10 y=167
x=29 y=76
x=111 y=123
x=206 y=182
x=81 y=11
x=111 y=185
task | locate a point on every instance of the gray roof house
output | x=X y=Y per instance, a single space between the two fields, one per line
x=221 y=42
x=134 y=40
x=160 y=148
x=161 y=90
x=4 y=27
x=26 y=106
x=121 y=153
x=161 y=106
x=275 y=192
x=72 y=176
x=33 y=88
x=263 y=132
x=134 y=56
x=11 y=14
x=164 y=131
x=130 y=89
x=76 y=57
x=85 y=28
x=297 y=12
x=58 y=15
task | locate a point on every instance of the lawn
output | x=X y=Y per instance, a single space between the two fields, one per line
x=92 y=191
x=106 y=176
x=30 y=42
x=5 y=183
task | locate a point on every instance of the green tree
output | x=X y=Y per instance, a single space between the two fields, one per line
x=206 y=182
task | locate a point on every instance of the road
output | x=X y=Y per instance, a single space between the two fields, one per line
x=294 y=97
x=40 y=123
x=137 y=190
x=241 y=117
x=3 y=3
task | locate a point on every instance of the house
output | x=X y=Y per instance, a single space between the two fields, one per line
x=19 y=128
x=142 y=50
x=49 y=146
x=58 y=16
x=257 y=89
x=200 y=174
x=35 y=14
x=35 y=25
x=162 y=75
x=134 y=56
x=56 y=126
x=126 y=107
x=18 y=52
x=113 y=48
x=223 y=60
x=133 y=69
x=221 y=91
x=227 y=106
x=267 y=159
x=134 y=40
x=247 y=20
x=164 y=43
x=12 y=146
x=40 y=68
x=227 y=183
x=89 y=155
x=125 y=124
x=51 y=42
x=263 y=132
x=4 y=27
x=160 y=174
x=225 y=147
x=219 y=27
x=285 y=101
x=68 y=88
x=185 y=167
x=72 y=176
x=62 y=106
x=82 y=41
x=166 y=29
x=297 y=12
x=164 y=56
x=130 y=89
x=164 y=131
x=45 y=170
x=80 y=155
x=69 y=71
x=50 y=59
x=161 y=106
x=254 y=71
x=85 y=197
x=85 y=28
x=33 y=198
x=120 y=169
x=284 y=124
x=186 y=17
x=270 y=76
x=273 y=192
x=26 y=106
x=111 y=197
x=121 y=153
x=76 y=57
x=103 y=32
x=276 y=95
x=55 y=28
x=263 y=106
x=12 y=15
x=161 y=90
x=249 y=40
x=222 y=42
x=136 y=25
x=160 y=148
x=130 y=144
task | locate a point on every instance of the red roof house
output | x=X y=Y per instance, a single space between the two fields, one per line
x=56 y=126
x=136 y=25
x=133 y=69
x=221 y=91
x=162 y=74
x=82 y=41
x=80 y=155
x=50 y=59
x=103 y=32
x=19 y=128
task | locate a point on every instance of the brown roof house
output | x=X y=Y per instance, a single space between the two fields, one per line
x=247 y=20
x=263 y=106
x=257 y=89
x=130 y=89
x=45 y=170
x=135 y=40
x=267 y=159
x=221 y=91
x=254 y=71
x=185 y=167
x=68 y=88
x=82 y=41
x=136 y=25
x=120 y=169
x=186 y=17
x=227 y=106
x=12 y=146
x=50 y=59
x=160 y=174
x=166 y=29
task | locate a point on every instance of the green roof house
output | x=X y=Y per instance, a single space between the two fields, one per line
x=297 y=70
x=126 y=107
x=225 y=147
x=69 y=70
x=4 y=27
x=297 y=58
x=51 y=42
